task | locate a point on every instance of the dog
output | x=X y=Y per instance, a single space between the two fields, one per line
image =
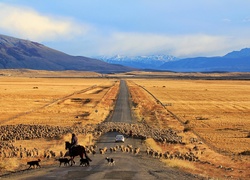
x=84 y=162
x=111 y=161
x=66 y=161
x=34 y=163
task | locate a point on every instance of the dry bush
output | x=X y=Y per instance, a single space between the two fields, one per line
x=176 y=163
x=245 y=153
x=153 y=145
x=248 y=136
x=10 y=165
x=186 y=129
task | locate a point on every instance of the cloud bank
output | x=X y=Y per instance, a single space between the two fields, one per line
x=24 y=22
x=79 y=38
x=177 y=45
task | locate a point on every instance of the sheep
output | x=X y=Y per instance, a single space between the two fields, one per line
x=114 y=149
x=93 y=152
x=127 y=149
x=103 y=150
x=136 y=150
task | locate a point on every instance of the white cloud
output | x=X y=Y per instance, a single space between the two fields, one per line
x=246 y=20
x=177 y=45
x=226 y=20
x=24 y=22
x=76 y=38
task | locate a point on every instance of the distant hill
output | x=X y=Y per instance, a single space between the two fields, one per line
x=18 y=53
x=140 y=62
x=23 y=54
x=236 y=61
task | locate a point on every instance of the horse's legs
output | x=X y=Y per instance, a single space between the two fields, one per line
x=72 y=160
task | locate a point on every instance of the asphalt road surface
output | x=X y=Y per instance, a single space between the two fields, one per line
x=127 y=165
x=122 y=110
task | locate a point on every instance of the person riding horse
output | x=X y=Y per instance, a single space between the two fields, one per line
x=75 y=149
x=74 y=142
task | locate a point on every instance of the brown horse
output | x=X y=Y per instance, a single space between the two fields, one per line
x=76 y=151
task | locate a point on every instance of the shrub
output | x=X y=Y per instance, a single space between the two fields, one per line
x=186 y=129
x=135 y=104
x=245 y=153
x=187 y=122
x=248 y=136
x=201 y=118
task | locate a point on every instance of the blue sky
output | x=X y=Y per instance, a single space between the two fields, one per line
x=182 y=28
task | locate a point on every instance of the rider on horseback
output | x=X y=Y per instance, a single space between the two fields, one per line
x=75 y=149
x=74 y=142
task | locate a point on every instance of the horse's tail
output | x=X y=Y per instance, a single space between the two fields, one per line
x=87 y=157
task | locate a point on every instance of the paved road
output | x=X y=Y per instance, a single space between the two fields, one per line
x=127 y=165
x=122 y=110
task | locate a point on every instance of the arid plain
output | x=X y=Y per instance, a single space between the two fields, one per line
x=215 y=111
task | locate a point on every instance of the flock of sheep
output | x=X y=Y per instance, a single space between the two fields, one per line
x=122 y=148
x=28 y=132
x=141 y=131
x=11 y=133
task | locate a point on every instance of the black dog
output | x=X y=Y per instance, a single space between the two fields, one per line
x=110 y=160
x=84 y=162
x=64 y=160
x=34 y=163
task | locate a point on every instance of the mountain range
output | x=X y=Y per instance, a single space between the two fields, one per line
x=236 y=61
x=23 y=54
x=140 y=62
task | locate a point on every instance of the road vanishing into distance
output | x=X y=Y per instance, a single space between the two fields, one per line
x=122 y=110
x=127 y=165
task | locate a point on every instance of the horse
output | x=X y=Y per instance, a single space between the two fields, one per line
x=76 y=151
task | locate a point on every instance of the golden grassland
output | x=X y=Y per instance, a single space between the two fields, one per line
x=217 y=111
x=55 y=101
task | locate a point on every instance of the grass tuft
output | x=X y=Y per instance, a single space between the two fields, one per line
x=150 y=142
x=179 y=164
x=187 y=129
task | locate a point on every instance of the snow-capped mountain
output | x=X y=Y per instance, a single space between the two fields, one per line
x=141 y=62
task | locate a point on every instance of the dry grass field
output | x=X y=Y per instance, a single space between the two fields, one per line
x=57 y=101
x=218 y=111
x=54 y=101
x=215 y=111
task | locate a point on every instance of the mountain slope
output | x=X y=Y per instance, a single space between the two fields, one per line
x=236 y=61
x=17 y=53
